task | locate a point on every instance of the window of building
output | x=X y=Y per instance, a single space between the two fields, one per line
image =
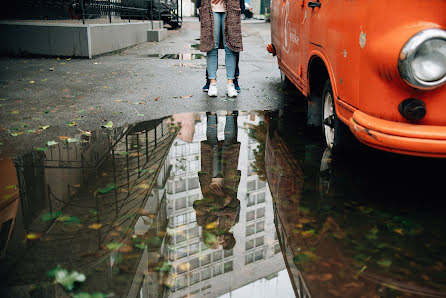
x=258 y=255
x=170 y=187
x=180 y=185
x=194 y=232
x=261 y=212
x=228 y=267
x=192 y=216
x=180 y=237
x=181 y=252
x=250 y=230
x=251 y=185
x=249 y=258
x=250 y=215
x=206 y=259
x=251 y=154
x=218 y=255
x=193 y=248
x=180 y=203
x=194 y=264
x=260 y=226
x=260 y=198
x=251 y=200
x=182 y=268
x=192 y=199
x=180 y=220
x=259 y=241
x=261 y=184
x=249 y=244
x=227 y=253
x=194 y=277
x=218 y=269
x=277 y=248
x=181 y=282
x=206 y=273
x=251 y=170
x=193 y=166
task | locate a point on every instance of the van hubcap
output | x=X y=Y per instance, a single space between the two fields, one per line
x=328 y=121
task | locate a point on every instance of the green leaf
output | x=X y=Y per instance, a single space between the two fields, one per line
x=65 y=278
x=88 y=295
x=73 y=140
x=106 y=189
x=384 y=263
x=68 y=219
x=51 y=143
x=139 y=245
x=40 y=148
x=113 y=245
x=123 y=153
x=51 y=215
x=108 y=125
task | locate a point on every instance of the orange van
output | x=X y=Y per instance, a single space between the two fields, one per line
x=376 y=67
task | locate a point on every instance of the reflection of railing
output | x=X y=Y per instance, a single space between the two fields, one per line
x=296 y=277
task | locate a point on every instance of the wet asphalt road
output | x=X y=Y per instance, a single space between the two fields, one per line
x=133 y=85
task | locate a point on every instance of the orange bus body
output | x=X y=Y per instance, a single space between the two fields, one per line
x=360 y=44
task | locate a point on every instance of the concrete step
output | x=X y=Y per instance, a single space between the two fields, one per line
x=156 y=34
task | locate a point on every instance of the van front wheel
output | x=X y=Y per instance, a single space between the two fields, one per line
x=336 y=133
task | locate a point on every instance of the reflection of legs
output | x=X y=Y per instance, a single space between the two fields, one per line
x=237 y=72
x=211 y=136
x=230 y=131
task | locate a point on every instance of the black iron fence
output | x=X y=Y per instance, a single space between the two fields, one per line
x=167 y=10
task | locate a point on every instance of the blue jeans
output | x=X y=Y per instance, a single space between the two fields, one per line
x=230 y=138
x=212 y=55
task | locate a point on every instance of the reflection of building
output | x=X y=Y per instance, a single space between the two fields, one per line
x=196 y=269
x=89 y=201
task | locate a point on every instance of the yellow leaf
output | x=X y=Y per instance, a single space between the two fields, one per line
x=144 y=186
x=33 y=236
x=399 y=231
x=211 y=226
x=95 y=226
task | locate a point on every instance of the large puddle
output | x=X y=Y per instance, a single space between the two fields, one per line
x=227 y=204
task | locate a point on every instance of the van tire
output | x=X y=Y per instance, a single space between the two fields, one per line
x=336 y=134
x=285 y=82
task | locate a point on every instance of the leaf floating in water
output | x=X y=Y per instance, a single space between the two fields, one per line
x=95 y=226
x=144 y=186
x=108 y=125
x=68 y=219
x=88 y=295
x=40 y=148
x=10 y=187
x=14 y=112
x=51 y=143
x=384 y=263
x=51 y=215
x=113 y=245
x=123 y=153
x=33 y=236
x=65 y=278
x=304 y=257
x=399 y=231
x=106 y=189
x=73 y=140
x=44 y=126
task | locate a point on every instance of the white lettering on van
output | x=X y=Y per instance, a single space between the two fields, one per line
x=286 y=26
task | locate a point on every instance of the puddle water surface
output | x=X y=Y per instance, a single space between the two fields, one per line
x=228 y=205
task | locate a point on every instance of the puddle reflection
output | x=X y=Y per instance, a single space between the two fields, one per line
x=224 y=204
x=184 y=56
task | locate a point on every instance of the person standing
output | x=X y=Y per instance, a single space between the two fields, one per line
x=220 y=19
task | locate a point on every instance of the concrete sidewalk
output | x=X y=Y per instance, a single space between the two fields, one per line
x=133 y=85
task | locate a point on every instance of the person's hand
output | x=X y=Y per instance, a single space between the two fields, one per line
x=217 y=2
x=215 y=188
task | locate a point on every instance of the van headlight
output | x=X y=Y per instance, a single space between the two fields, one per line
x=422 y=60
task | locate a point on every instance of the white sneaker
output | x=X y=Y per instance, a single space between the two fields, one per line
x=212 y=89
x=230 y=90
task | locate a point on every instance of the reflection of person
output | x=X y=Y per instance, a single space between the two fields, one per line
x=219 y=209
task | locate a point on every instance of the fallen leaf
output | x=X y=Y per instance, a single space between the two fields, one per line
x=399 y=231
x=73 y=140
x=31 y=82
x=40 y=148
x=15 y=112
x=10 y=187
x=118 y=100
x=95 y=226
x=63 y=138
x=186 y=96
x=51 y=215
x=44 y=80
x=65 y=278
x=33 y=236
x=156 y=98
x=44 y=126
x=51 y=143
x=72 y=123
x=144 y=186
x=384 y=263
x=140 y=115
x=106 y=189
x=113 y=245
x=108 y=125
